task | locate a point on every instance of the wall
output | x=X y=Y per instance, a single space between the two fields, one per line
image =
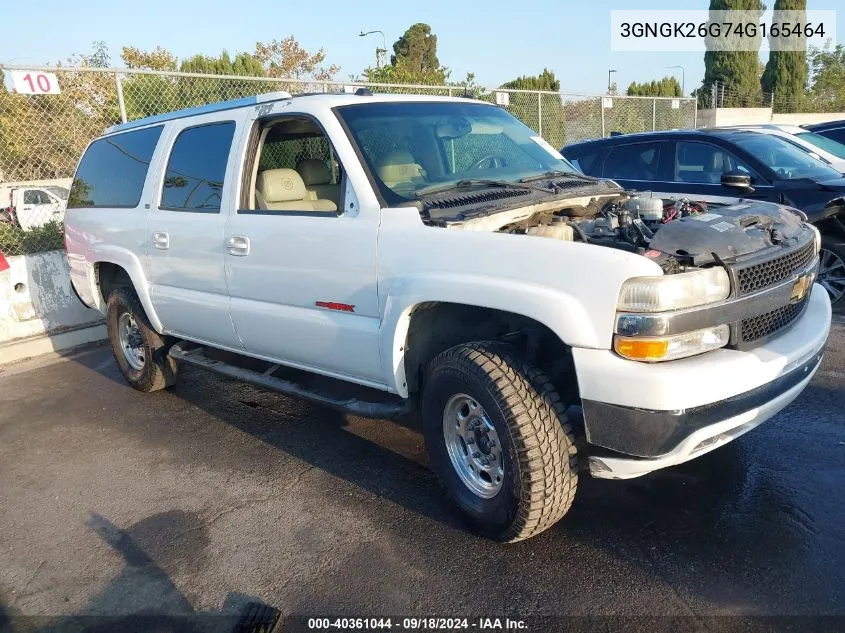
x=37 y=304
x=761 y=116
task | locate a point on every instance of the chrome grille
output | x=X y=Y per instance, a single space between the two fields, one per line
x=768 y=273
x=755 y=328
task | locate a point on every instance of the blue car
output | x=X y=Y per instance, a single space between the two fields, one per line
x=725 y=164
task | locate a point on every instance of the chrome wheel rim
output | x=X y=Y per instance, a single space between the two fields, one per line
x=473 y=446
x=131 y=342
x=832 y=274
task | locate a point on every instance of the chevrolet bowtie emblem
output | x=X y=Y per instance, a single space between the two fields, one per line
x=801 y=287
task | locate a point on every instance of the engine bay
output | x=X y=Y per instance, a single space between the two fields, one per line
x=678 y=233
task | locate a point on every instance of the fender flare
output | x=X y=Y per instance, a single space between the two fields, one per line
x=131 y=263
x=558 y=311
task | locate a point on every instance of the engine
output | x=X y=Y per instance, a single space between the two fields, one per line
x=677 y=233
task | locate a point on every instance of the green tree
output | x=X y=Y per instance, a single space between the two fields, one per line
x=786 y=71
x=544 y=81
x=414 y=60
x=827 y=72
x=286 y=58
x=416 y=49
x=735 y=72
x=666 y=87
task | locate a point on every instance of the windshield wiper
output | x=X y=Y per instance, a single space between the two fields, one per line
x=473 y=182
x=556 y=173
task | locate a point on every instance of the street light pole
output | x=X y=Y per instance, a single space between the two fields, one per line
x=379 y=51
x=683 y=81
x=609 y=71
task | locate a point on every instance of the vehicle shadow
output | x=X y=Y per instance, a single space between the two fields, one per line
x=142 y=597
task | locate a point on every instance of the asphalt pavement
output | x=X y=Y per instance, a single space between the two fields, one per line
x=214 y=494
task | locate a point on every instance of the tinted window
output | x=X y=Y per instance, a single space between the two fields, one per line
x=113 y=170
x=196 y=167
x=783 y=158
x=704 y=163
x=837 y=134
x=587 y=160
x=637 y=161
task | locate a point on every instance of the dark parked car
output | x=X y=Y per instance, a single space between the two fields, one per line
x=831 y=129
x=719 y=164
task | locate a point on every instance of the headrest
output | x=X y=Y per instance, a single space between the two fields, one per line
x=314 y=172
x=398 y=166
x=281 y=185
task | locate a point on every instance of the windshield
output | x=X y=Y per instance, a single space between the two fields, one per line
x=59 y=192
x=785 y=159
x=413 y=149
x=822 y=142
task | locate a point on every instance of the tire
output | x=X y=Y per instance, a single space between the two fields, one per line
x=832 y=268
x=537 y=454
x=156 y=369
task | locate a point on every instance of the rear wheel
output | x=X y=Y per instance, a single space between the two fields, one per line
x=140 y=351
x=832 y=268
x=499 y=440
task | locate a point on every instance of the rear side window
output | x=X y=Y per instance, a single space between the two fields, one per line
x=638 y=161
x=837 y=134
x=113 y=170
x=196 y=168
x=587 y=160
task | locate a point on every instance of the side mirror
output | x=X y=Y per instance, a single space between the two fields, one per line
x=737 y=180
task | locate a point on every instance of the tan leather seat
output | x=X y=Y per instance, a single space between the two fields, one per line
x=283 y=190
x=317 y=178
x=399 y=170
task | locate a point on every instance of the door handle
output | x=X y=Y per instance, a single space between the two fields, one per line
x=238 y=245
x=161 y=240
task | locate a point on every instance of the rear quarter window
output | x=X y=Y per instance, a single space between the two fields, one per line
x=113 y=170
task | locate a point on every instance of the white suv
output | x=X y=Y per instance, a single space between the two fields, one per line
x=436 y=255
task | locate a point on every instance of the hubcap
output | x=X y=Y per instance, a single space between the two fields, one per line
x=832 y=274
x=473 y=446
x=131 y=342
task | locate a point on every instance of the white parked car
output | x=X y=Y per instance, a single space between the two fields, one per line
x=436 y=255
x=30 y=206
x=825 y=149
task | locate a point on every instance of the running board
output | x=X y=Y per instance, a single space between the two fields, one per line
x=390 y=407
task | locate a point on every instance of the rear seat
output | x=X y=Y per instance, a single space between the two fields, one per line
x=317 y=178
x=284 y=190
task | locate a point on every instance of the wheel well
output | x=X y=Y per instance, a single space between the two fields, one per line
x=436 y=326
x=110 y=277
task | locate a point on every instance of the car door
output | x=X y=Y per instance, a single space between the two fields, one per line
x=37 y=208
x=696 y=168
x=636 y=165
x=302 y=276
x=184 y=231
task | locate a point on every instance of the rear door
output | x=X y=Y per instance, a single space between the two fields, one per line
x=637 y=165
x=184 y=232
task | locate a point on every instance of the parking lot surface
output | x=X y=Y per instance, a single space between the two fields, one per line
x=214 y=493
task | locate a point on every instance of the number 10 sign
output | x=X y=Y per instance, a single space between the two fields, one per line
x=30 y=82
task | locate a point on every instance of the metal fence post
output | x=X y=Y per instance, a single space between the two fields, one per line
x=654 y=115
x=540 y=112
x=695 y=114
x=118 y=84
x=450 y=92
x=601 y=106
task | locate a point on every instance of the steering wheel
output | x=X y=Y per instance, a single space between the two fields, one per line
x=491 y=161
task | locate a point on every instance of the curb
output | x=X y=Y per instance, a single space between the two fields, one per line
x=21 y=349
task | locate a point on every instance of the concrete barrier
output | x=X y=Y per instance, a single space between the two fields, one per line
x=39 y=311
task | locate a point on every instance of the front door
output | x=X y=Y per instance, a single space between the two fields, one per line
x=301 y=258
x=184 y=234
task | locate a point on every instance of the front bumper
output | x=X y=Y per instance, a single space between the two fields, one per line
x=653 y=416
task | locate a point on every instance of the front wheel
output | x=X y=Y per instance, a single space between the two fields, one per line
x=140 y=351
x=499 y=440
x=832 y=268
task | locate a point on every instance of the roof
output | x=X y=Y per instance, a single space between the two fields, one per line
x=827 y=125
x=331 y=99
x=665 y=134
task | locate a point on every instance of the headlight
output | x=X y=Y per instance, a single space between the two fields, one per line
x=654 y=349
x=674 y=292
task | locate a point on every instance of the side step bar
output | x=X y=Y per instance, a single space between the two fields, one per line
x=391 y=407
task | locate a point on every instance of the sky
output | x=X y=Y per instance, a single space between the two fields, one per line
x=496 y=40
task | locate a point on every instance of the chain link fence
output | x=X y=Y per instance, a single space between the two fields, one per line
x=43 y=136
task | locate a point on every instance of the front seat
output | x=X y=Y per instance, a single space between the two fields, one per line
x=317 y=178
x=284 y=190
x=399 y=170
